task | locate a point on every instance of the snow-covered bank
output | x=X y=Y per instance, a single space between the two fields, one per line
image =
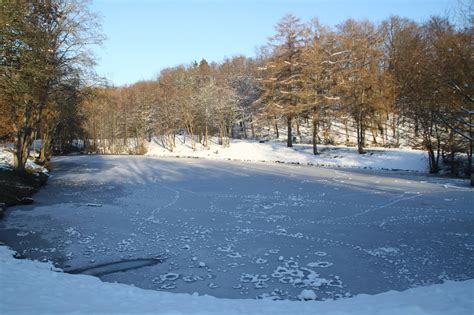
x=333 y=156
x=277 y=152
x=6 y=161
x=31 y=287
x=15 y=188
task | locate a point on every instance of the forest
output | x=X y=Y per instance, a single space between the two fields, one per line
x=402 y=81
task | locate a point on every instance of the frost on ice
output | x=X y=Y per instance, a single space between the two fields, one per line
x=249 y=231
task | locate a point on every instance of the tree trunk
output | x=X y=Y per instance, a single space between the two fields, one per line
x=346 y=129
x=396 y=131
x=275 y=121
x=315 y=135
x=191 y=135
x=221 y=136
x=374 y=135
x=23 y=139
x=383 y=133
x=252 y=127
x=289 y=141
x=417 y=129
x=20 y=152
x=94 y=135
x=35 y=133
x=298 y=128
x=206 y=136
x=432 y=160
x=46 y=140
x=170 y=142
x=360 y=138
x=45 y=151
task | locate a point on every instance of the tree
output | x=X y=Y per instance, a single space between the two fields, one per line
x=435 y=91
x=43 y=43
x=361 y=74
x=450 y=68
x=239 y=74
x=318 y=92
x=397 y=33
x=282 y=73
x=67 y=130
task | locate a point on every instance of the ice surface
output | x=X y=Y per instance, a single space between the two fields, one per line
x=261 y=230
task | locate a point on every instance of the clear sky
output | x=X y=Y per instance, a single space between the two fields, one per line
x=145 y=36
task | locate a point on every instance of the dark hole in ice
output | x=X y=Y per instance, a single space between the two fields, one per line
x=116 y=266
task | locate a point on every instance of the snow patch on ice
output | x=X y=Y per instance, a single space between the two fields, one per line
x=307 y=295
x=384 y=251
x=320 y=264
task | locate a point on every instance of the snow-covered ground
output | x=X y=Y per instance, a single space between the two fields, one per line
x=32 y=287
x=274 y=151
x=245 y=231
x=6 y=161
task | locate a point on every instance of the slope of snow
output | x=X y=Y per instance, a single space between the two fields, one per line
x=31 y=287
x=334 y=156
x=6 y=161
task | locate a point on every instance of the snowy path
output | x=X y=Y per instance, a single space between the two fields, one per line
x=246 y=230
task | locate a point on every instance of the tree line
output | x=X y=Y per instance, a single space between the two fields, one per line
x=199 y=100
x=399 y=78
x=399 y=71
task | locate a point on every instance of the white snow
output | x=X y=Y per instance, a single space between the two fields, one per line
x=6 y=161
x=32 y=287
x=273 y=151
x=307 y=295
x=277 y=152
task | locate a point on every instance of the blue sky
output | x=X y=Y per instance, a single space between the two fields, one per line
x=145 y=36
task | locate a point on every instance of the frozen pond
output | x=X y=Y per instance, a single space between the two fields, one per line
x=247 y=230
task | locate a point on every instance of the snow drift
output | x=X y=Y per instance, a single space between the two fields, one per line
x=32 y=287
